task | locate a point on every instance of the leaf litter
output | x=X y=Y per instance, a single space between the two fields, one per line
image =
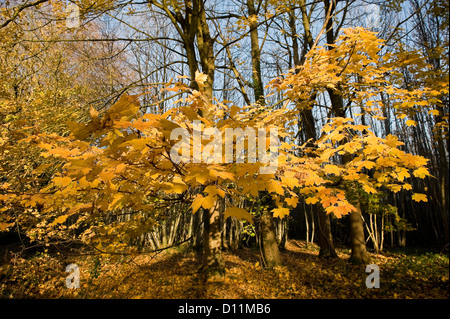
x=174 y=274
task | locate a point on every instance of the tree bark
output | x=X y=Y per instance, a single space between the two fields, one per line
x=198 y=228
x=269 y=246
x=327 y=249
x=213 y=262
x=206 y=51
x=359 y=253
x=281 y=231
x=258 y=87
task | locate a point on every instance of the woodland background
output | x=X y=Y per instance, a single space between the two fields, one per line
x=58 y=82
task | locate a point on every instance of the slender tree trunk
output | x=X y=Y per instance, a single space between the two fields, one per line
x=306 y=224
x=192 y=26
x=258 y=87
x=402 y=232
x=382 y=232
x=313 y=225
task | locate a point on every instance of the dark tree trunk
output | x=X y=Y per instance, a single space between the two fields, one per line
x=327 y=249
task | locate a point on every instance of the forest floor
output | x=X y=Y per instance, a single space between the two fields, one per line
x=173 y=274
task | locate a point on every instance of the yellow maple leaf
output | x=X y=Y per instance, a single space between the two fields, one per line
x=62 y=181
x=433 y=112
x=275 y=187
x=200 y=201
x=332 y=169
x=209 y=201
x=106 y=176
x=394 y=187
x=214 y=190
x=200 y=174
x=402 y=173
x=369 y=189
x=127 y=106
x=411 y=123
x=200 y=78
x=419 y=197
x=116 y=201
x=407 y=186
x=93 y=112
x=366 y=164
x=292 y=201
x=221 y=173
x=421 y=172
x=280 y=212
x=311 y=200
x=239 y=213
x=177 y=188
x=340 y=210
x=289 y=181
x=197 y=203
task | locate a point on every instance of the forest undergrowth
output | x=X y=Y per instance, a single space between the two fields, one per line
x=173 y=274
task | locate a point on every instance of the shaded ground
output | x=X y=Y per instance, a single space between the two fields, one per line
x=173 y=274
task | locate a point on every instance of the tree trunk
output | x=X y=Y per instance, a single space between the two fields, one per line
x=306 y=224
x=197 y=26
x=268 y=242
x=206 y=52
x=308 y=124
x=198 y=230
x=269 y=246
x=213 y=262
x=281 y=232
x=359 y=253
x=327 y=249
x=258 y=87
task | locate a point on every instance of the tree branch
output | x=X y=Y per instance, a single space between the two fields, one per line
x=20 y=9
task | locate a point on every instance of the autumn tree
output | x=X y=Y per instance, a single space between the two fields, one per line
x=128 y=160
x=342 y=100
x=355 y=56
